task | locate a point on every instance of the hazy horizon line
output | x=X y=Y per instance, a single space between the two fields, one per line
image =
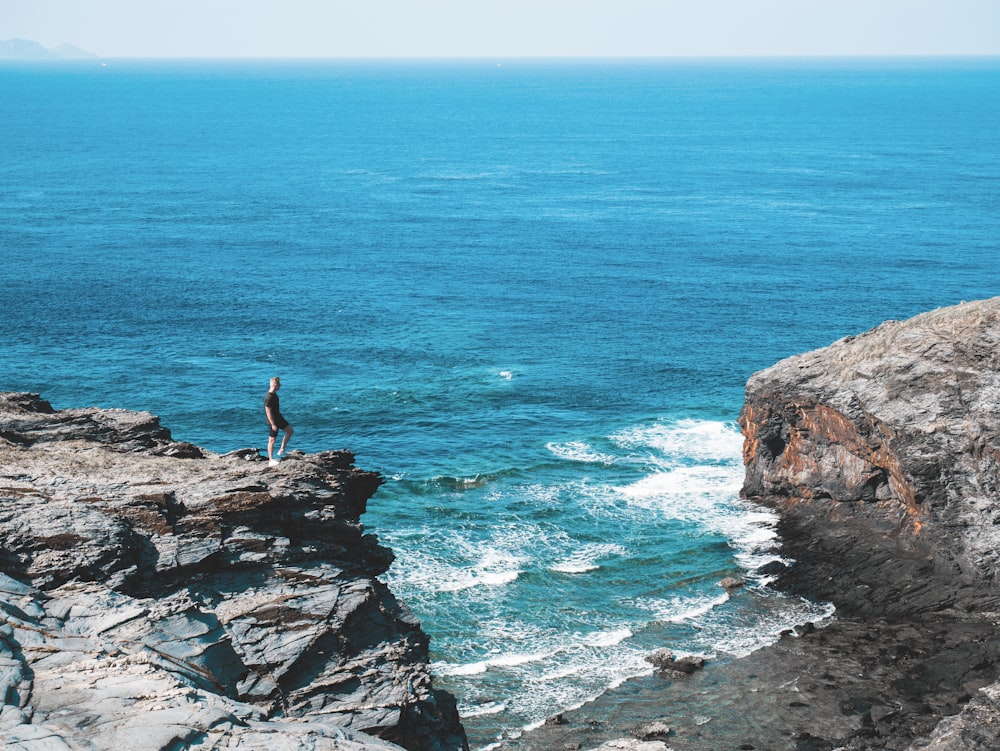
x=775 y=56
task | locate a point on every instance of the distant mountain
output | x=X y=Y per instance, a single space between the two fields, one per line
x=25 y=49
x=70 y=50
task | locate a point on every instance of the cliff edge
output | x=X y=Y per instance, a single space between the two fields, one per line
x=154 y=595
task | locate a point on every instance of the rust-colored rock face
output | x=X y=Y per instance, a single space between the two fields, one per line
x=903 y=420
x=813 y=451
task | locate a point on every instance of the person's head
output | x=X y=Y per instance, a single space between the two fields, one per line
x=275 y=383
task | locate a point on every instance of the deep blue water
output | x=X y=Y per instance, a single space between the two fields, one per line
x=528 y=293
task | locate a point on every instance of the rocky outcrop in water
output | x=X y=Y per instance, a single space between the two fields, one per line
x=154 y=595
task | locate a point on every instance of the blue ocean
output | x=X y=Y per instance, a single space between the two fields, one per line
x=528 y=293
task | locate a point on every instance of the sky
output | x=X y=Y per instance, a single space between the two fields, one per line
x=507 y=28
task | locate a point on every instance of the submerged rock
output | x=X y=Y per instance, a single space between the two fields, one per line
x=155 y=595
x=671 y=666
x=632 y=744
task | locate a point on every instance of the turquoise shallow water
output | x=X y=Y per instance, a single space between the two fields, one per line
x=528 y=293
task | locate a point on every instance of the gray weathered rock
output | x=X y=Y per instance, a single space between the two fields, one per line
x=976 y=728
x=651 y=731
x=671 y=666
x=155 y=595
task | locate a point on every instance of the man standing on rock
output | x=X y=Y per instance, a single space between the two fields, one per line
x=275 y=422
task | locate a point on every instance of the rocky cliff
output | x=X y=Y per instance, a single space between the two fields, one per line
x=154 y=595
x=882 y=453
x=895 y=431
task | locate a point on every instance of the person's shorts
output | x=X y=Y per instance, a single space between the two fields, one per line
x=281 y=422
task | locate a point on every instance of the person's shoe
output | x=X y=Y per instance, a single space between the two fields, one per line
x=273 y=462
x=281 y=452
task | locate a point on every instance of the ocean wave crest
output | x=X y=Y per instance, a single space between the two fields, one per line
x=498 y=661
x=607 y=638
x=587 y=558
x=682 y=609
x=687 y=439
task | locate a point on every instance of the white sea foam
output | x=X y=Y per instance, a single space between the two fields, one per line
x=741 y=633
x=560 y=657
x=560 y=673
x=579 y=451
x=478 y=710
x=571 y=688
x=571 y=566
x=479 y=579
x=472 y=668
x=703 y=496
x=697 y=440
x=496 y=566
x=498 y=661
x=685 y=493
x=457 y=563
x=699 y=482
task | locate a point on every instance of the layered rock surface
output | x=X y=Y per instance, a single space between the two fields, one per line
x=157 y=596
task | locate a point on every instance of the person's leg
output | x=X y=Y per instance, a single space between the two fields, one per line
x=270 y=447
x=284 y=441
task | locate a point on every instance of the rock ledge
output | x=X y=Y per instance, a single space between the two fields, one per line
x=154 y=595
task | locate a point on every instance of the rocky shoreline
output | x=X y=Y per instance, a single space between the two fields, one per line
x=881 y=454
x=156 y=596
